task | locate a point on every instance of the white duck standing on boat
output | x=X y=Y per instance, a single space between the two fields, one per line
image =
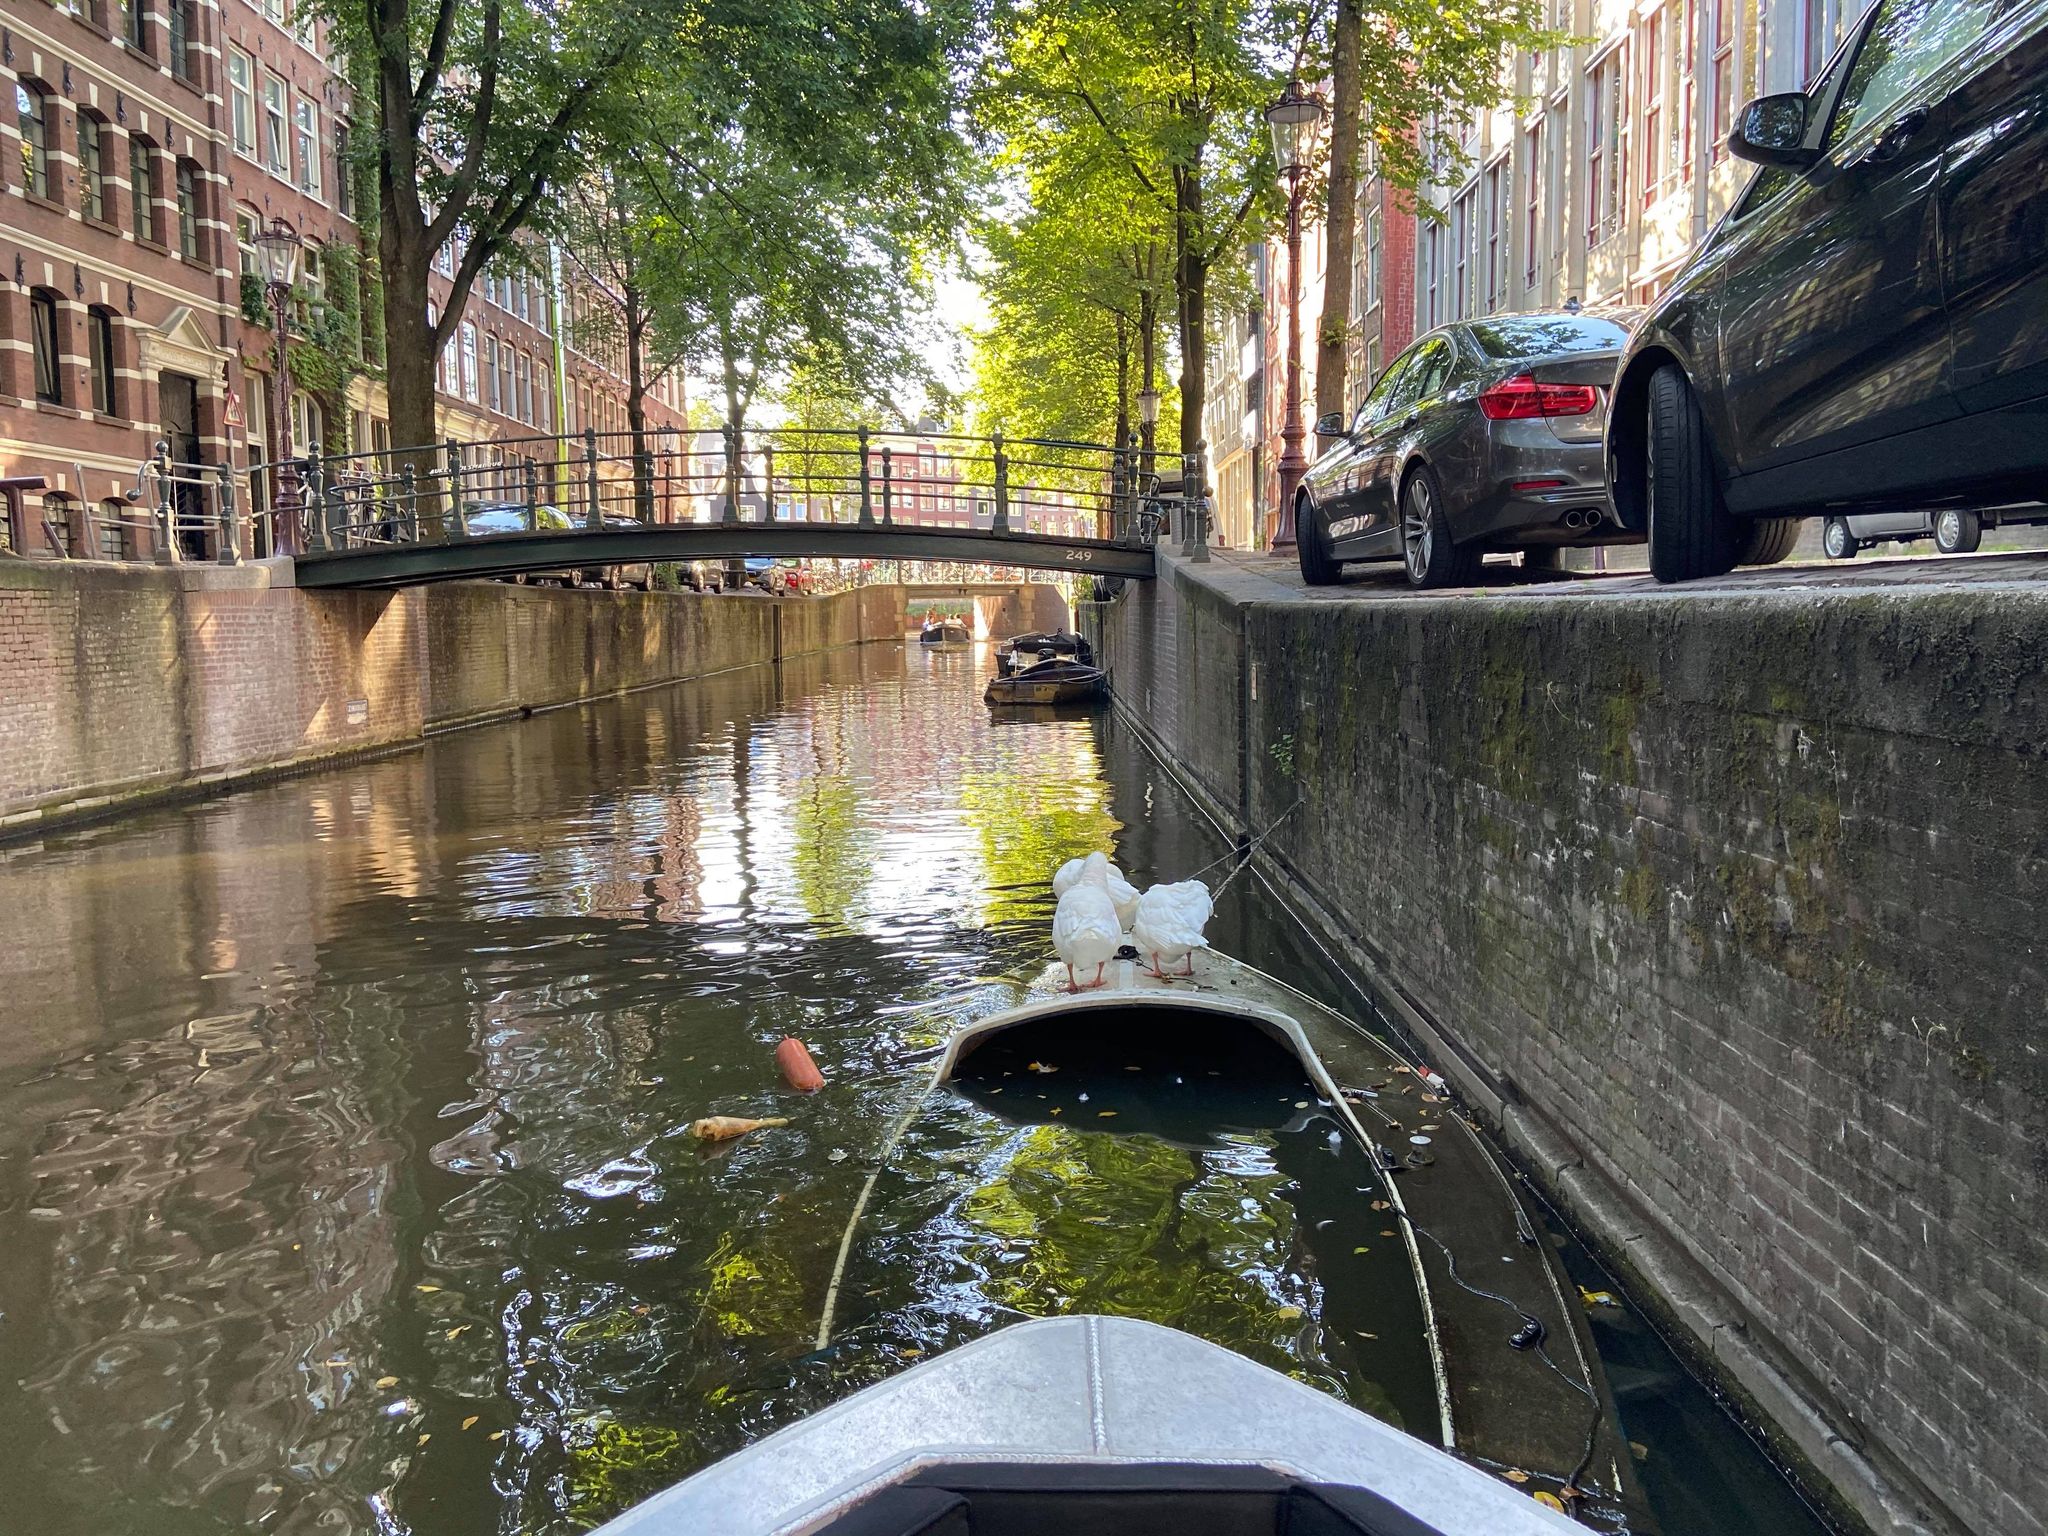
x=1085 y=928
x=1169 y=923
x=1121 y=891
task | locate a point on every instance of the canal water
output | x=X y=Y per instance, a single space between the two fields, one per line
x=345 y=1183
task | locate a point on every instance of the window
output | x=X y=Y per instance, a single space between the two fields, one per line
x=1432 y=274
x=308 y=428
x=493 y=396
x=274 y=9
x=1494 y=206
x=344 y=174
x=1606 y=144
x=184 y=32
x=245 y=239
x=275 y=146
x=142 y=185
x=1821 y=30
x=451 y=368
x=444 y=258
x=92 y=165
x=543 y=399
x=99 y=325
x=306 y=126
x=32 y=116
x=188 y=210
x=508 y=384
x=1536 y=174
x=42 y=319
x=1461 y=244
x=1721 y=75
x=540 y=308
x=242 y=101
x=135 y=23
x=1905 y=43
x=1656 y=40
x=469 y=380
x=1375 y=259
x=525 y=386
x=112 y=534
x=302 y=22
x=524 y=296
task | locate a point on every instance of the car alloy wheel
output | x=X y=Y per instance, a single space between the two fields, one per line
x=1418 y=534
x=1957 y=531
x=1837 y=541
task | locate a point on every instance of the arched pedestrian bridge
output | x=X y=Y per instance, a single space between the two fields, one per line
x=537 y=505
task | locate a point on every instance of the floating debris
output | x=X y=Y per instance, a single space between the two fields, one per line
x=1040 y=1067
x=725 y=1127
x=423 y=1439
x=1105 y=1114
x=1599 y=1298
x=1548 y=1500
x=1361 y=1250
x=387 y=1381
x=470 y=1422
x=429 y=1289
x=1418 y=1141
x=458 y=1332
x=1515 y=1475
x=838 y=1154
x=496 y=1434
x=798 y=1070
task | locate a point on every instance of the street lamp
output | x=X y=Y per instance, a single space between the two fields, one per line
x=280 y=246
x=1294 y=119
x=1148 y=420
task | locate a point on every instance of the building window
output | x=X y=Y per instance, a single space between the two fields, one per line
x=1656 y=38
x=275 y=145
x=1721 y=75
x=135 y=23
x=308 y=429
x=1606 y=144
x=99 y=325
x=524 y=384
x=1535 y=177
x=274 y=9
x=184 y=37
x=444 y=258
x=242 y=101
x=92 y=165
x=112 y=532
x=469 y=381
x=1432 y=274
x=306 y=124
x=1375 y=259
x=451 y=370
x=1822 y=30
x=32 y=116
x=188 y=210
x=245 y=240
x=344 y=174
x=142 y=185
x=1461 y=245
x=508 y=379
x=494 y=397
x=543 y=399
x=42 y=320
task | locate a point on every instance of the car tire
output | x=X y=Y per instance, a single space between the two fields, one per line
x=1837 y=542
x=1768 y=541
x=1428 y=554
x=1319 y=568
x=1957 y=530
x=1690 y=532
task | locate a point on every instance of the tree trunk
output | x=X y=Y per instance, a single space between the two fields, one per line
x=1340 y=223
x=1192 y=282
x=1148 y=365
x=1120 y=475
x=636 y=406
x=411 y=357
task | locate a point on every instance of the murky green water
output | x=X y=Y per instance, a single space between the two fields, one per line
x=344 y=1184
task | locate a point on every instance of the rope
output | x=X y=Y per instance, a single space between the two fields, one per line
x=860 y=1207
x=1244 y=854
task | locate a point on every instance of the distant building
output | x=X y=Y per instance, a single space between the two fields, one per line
x=143 y=144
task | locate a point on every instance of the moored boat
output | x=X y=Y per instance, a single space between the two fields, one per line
x=1051 y=681
x=944 y=631
x=1021 y=651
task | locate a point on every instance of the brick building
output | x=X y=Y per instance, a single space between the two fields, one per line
x=143 y=144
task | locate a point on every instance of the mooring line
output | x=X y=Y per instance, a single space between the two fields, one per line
x=860 y=1206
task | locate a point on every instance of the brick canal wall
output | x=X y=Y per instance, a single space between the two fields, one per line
x=125 y=683
x=1732 y=913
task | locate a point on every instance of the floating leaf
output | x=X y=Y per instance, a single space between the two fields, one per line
x=423 y=1439
x=1364 y=1335
x=1288 y=1312
x=497 y=1434
x=1055 y=1109
x=1516 y=1475
x=1548 y=1500
x=387 y=1381
x=471 y=1420
x=1105 y=1114
x=1361 y=1250
x=428 y=1288
x=457 y=1331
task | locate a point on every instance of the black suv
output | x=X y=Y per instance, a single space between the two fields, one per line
x=1869 y=325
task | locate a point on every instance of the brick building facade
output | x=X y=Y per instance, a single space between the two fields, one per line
x=143 y=144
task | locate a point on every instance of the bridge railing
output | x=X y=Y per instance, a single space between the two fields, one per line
x=593 y=480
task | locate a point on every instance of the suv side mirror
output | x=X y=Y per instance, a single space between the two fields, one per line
x=1331 y=425
x=1772 y=131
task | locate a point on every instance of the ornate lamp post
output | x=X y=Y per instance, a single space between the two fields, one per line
x=281 y=245
x=1294 y=119
x=1148 y=420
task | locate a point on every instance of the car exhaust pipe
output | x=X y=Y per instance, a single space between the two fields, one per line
x=1580 y=518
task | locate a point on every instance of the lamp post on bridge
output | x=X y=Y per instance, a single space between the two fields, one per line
x=281 y=245
x=1294 y=119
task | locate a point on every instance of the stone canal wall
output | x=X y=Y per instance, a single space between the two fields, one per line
x=1731 y=912
x=126 y=683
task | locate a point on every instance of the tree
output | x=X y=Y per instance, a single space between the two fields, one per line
x=1395 y=65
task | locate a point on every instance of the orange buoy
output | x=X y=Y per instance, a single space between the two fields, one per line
x=798 y=1070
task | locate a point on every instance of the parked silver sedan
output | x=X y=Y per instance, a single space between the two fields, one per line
x=1484 y=435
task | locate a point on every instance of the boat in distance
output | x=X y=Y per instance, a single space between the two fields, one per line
x=944 y=632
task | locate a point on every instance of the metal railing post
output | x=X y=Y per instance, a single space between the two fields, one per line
x=409 y=492
x=319 y=496
x=593 y=513
x=167 y=551
x=230 y=518
x=888 y=521
x=1000 y=521
x=867 y=495
x=532 y=488
x=732 y=473
x=768 y=473
x=457 y=526
x=1195 y=504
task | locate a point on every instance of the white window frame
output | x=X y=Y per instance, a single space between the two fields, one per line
x=242 y=101
x=469 y=386
x=306 y=142
x=276 y=131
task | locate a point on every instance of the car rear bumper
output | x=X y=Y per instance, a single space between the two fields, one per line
x=1534 y=489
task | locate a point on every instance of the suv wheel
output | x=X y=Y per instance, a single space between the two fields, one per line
x=1312 y=546
x=1957 y=530
x=1427 y=552
x=1838 y=541
x=1691 y=534
x=1768 y=540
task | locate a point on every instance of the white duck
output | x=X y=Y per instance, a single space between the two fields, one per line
x=1085 y=929
x=1121 y=891
x=1169 y=923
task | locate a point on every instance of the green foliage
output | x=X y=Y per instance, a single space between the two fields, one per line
x=255 y=300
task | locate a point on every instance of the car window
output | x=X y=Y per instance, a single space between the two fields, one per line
x=1904 y=44
x=1375 y=406
x=1509 y=337
x=1431 y=372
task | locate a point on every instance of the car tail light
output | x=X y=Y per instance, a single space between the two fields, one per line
x=1524 y=487
x=1522 y=398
